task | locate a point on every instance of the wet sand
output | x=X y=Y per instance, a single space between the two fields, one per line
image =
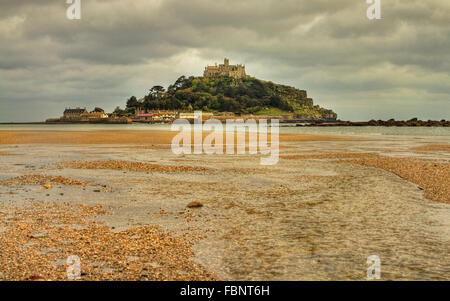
x=430 y=175
x=318 y=214
x=121 y=137
x=432 y=148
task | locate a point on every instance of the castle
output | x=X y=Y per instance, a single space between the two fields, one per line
x=225 y=69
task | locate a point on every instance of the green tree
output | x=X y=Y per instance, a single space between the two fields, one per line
x=157 y=91
x=132 y=104
x=119 y=112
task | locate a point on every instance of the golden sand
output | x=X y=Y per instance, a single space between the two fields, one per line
x=168 y=146
x=327 y=156
x=130 y=166
x=432 y=148
x=38 y=240
x=123 y=137
x=432 y=177
x=41 y=180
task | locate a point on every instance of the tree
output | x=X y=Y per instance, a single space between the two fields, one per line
x=180 y=83
x=157 y=92
x=119 y=112
x=132 y=102
x=220 y=94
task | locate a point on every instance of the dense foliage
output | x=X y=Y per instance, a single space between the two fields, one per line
x=224 y=94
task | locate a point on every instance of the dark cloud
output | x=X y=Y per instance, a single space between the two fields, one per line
x=393 y=67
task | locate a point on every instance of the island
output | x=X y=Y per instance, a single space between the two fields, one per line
x=225 y=91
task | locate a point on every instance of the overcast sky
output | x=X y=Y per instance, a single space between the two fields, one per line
x=396 y=67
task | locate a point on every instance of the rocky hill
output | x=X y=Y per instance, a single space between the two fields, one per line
x=241 y=96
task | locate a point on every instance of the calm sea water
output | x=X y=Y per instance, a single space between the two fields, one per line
x=357 y=131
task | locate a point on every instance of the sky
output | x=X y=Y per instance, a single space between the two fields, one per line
x=394 y=67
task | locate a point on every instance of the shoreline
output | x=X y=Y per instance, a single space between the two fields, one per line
x=293 y=122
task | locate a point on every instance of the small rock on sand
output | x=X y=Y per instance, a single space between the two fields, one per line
x=194 y=205
x=47 y=186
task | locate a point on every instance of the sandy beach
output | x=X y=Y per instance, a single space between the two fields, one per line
x=161 y=138
x=119 y=201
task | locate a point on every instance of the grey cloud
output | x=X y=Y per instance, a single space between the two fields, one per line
x=329 y=48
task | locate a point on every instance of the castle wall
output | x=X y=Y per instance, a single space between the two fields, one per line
x=235 y=71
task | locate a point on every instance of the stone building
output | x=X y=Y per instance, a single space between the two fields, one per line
x=225 y=69
x=97 y=113
x=79 y=114
x=74 y=113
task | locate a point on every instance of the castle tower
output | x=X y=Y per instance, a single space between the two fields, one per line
x=225 y=69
